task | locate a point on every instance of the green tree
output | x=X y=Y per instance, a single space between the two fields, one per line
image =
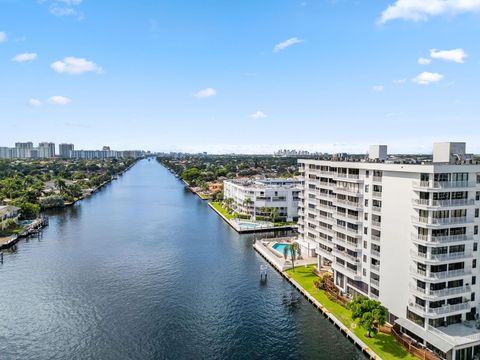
x=273 y=213
x=293 y=251
x=27 y=209
x=370 y=313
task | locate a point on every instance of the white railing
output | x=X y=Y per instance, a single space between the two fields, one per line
x=375 y=237
x=440 y=257
x=440 y=239
x=440 y=221
x=375 y=253
x=443 y=184
x=349 y=203
x=375 y=282
x=376 y=208
x=375 y=267
x=346 y=255
x=376 y=223
x=377 y=178
x=377 y=194
x=449 y=308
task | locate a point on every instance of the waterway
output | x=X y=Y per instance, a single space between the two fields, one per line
x=146 y=270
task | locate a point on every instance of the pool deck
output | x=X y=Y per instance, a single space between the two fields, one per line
x=237 y=228
x=263 y=248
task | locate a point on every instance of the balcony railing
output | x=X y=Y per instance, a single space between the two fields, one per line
x=440 y=221
x=348 y=203
x=375 y=267
x=375 y=253
x=441 y=293
x=350 y=191
x=375 y=238
x=440 y=239
x=377 y=194
x=375 y=282
x=377 y=209
x=377 y=179
x=443 y=203
x=443 y=184
x=376 y=223
x=442 y=309
x=345 y=255
x=346 y=176
x=440 y=274
x=440 y=257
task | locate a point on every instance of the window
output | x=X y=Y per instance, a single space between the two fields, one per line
x=365 y=216
x=477 y=212
x=364 y=271
x=475 y=230
x=475 y=246
x=365 y=230
x=477 y=196
x=364 y=244
x=472 y=297
x=366 y=188
x=474 y=280
x=364 y=259
x=366 y=202
x=474 y=263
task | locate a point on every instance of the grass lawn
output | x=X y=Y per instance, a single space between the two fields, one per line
x=383 y=344
x=218 y=206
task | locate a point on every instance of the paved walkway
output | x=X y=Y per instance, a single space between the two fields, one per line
x=263 y=247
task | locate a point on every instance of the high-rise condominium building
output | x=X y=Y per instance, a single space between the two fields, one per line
x=65 y=150
x=405 y=234
x=46 y=150
x=23 y=150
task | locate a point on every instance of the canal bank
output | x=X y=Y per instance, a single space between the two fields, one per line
x=185 y=283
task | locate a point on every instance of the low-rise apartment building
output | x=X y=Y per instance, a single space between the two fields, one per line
x=257 y=198
x=405 y=234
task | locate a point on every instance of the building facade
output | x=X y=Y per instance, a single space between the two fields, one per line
x=404 y=234
x=64 y=150
x=46 y=150
x=257 y=198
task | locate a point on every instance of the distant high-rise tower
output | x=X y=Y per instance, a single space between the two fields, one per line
x=23 y=150
x=65 y=150
x=46 y=150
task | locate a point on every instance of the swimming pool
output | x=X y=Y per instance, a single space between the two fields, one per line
x=280 y=248
x=248 y=225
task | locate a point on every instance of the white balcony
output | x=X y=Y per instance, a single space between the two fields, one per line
x=377 y=179
x=375 y=238
x=376 y=194
x=445 y=309
x=441 y=221
x=435 y=294
x=375 y=253
x=443 y=184
x=344 y=255
x=430 y=203
x=375 y=282
x=428 y=257
x=439 y=275
x=434 y=240
x=375 y=268
x=376 y=209
x=351 y=204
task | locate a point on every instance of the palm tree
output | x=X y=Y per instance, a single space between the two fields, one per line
x=273 y=213
x=292 y=250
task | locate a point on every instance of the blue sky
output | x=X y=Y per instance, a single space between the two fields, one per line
x=240 y=76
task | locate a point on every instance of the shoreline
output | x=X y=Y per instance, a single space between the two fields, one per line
x=42 y=221
x=366 y=350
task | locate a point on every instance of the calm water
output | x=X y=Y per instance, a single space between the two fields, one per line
x=145 y=270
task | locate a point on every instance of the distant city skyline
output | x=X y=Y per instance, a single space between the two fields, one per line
x=249 y=77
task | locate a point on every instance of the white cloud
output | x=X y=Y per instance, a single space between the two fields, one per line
x=426 y=78
x=424 y=61
x=59 y=100
x=456 y=55
x=24 y=57
x=421 y=10
x=285 y=44
x=205 y=93
x=34 y=102
x=399 y=81
x=3 y=36
x=258 y=115
x=73 y=65
x=65 y=8
x=378 y=88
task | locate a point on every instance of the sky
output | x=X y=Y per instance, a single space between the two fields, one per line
x=249 y=76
